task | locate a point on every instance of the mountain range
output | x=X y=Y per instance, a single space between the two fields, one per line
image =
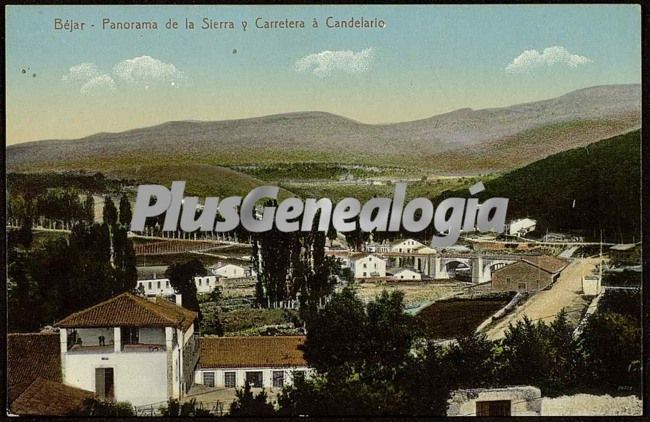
x=464 y=141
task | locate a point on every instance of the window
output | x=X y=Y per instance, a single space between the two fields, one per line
x=365 y=265
x=130 y=335
x=199 y=281
x=298 y=375
x=507 y=279
x=150 y=285
x=167 y=284
x=254 y=378
x=278 y=379
x=230 y=379
x=493 y=408
x=208 y=379
x=364 y=273
x=158 y=284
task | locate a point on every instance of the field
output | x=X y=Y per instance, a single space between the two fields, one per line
x=451 y=318
x=415 y=294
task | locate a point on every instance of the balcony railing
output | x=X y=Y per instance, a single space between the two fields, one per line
x=137 y=347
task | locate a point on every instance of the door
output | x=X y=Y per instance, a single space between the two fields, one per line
x=493 y=408
x=104 y=383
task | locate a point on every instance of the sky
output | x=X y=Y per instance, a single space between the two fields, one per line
x=426 y=60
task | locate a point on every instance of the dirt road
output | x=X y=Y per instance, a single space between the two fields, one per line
x=544 y=305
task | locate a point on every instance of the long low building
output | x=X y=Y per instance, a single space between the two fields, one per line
x=529 y=274
x=262 y=361
x=162 y=287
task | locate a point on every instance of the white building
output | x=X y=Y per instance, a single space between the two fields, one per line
x=162 y=287
x=269 y=362
x=130 y=348
x=228 y=271
x=366 y=266
x=405 y=274
x=521 y=226
x=405 y=246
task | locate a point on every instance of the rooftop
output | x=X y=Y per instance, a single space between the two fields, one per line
x=49 y=398
x=32 y=355
x=129 y=310
x=624 y=247
x=547 y=263
x=251 y=352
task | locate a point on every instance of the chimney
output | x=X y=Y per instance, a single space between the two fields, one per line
x=178 y=298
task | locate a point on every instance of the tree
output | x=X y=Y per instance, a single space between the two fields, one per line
x=125 y=211
x=425 y=384
x=248 y=404
x=189 y=408
x=96 y=407
x=389 y=336
x=612 y=342
x=89 y=208
x=110 y=212
x=472 y=362
x=336 y=335
x=181 y=278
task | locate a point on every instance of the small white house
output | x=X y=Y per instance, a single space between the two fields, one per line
x=366 y=266
x=162 y=287
x=591 y=285
x=130 y=348
x=405 y=246
x=228 y=271
x=405 y=274
x=269 y=362
x=521 y=226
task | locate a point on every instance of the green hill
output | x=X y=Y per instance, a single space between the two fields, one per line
x=581 y=190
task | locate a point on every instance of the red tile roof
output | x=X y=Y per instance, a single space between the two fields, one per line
x=251 y=352
x=49 y=398
x=32 y=355
x=547 y=263
x=129 y=310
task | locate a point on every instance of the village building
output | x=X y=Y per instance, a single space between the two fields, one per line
x=368 y=266
x=269 y=362
x=130 y=348
x=530 y=274
x=405 y=246
x=228 y=270
x=162 y=286
x=405 y=274
x=521 y=226
x=425 y=250
x=507 y=401
x=625 y=254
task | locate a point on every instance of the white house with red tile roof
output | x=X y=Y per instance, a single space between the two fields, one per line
x=131 y=349
x=263 y=361
x=367 y=266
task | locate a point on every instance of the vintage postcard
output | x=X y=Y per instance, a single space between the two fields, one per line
x=325 y=210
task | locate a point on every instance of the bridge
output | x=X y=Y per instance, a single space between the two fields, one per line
x=478 y=266
x=447 y=266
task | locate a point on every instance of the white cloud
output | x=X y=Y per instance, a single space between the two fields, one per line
x=531 y=59
x=101 y=82
x=145 y=70
x=83 y=72
x=323 y=64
